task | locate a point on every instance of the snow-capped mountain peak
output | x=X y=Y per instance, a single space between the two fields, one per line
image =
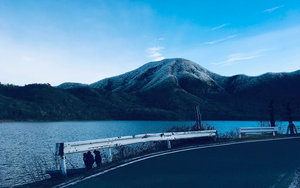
x=154 y=74
x=182 y=74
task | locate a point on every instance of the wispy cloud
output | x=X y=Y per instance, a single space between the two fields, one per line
x=235 y=57
x=220 y=26
x=232 y=59
x=213 y=42
x=272 y=9
x=154 y=53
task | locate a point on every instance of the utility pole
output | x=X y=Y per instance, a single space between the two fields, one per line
x=198 y=118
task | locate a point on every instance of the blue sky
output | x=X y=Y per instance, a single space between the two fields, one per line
x=49 y=41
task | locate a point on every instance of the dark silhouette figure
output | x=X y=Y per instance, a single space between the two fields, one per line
x=98 y=158
x=89 y=160
x=84 y=160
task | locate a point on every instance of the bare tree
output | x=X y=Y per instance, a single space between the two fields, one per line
x=291 y=127
x=271 y=109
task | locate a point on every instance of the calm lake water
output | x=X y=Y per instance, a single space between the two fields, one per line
x=22 y=141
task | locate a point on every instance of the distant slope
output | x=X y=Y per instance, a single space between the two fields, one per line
x=70 y=85
x=40 y=102
x=240 y=83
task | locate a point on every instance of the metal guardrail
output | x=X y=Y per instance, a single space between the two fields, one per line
x=257 y=130
x=63 y=149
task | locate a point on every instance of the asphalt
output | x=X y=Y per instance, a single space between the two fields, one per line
x=251 y=164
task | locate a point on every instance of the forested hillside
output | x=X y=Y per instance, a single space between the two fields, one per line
x=42 y=102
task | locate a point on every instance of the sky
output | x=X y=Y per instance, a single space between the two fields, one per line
x=51 y=41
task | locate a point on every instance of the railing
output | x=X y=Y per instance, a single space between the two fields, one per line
x=257 y=130
x=63 y=149
x=296 y=130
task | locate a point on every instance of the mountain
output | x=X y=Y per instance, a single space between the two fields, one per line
x=162 y=90
x=177 y=84
x=184 y=74
x=179 y=73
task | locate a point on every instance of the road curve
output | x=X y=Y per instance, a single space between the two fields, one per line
x=269 y=163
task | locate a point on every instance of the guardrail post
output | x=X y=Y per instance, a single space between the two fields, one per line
x=109 y=155
x=59 y=151
x=169 y=144
x=240 y=135
x=273 y=133
x=63 y=165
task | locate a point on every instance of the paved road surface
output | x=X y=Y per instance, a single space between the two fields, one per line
x=257 y=164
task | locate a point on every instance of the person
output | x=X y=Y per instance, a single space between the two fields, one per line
x=89 y=160
x=84 y=160
x=98 y=158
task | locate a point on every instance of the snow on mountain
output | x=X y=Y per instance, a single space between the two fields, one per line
x=156 y=74
x=184 y=74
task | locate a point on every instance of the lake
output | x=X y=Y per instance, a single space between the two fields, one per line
x=24 y=142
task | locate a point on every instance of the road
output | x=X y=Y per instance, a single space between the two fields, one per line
x=254 y=164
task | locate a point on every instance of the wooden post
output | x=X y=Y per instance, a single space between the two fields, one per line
x=63 y=166
x=109 y=155
x=59 y=151
x=169 y=144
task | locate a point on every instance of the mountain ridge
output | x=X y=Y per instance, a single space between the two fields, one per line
x=164 y=90
x=177 y=72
